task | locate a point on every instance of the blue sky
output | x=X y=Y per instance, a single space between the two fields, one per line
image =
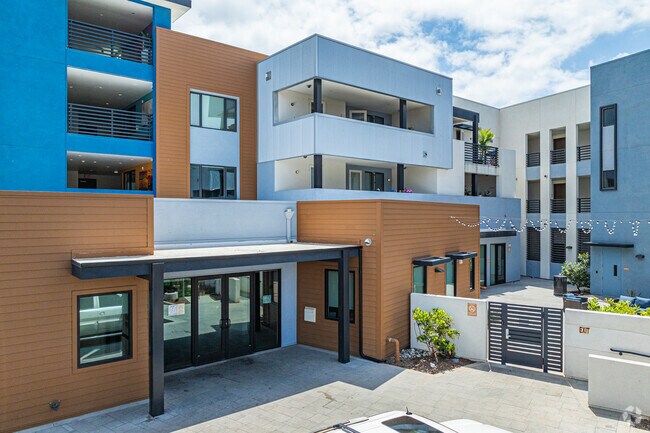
x=498 y=52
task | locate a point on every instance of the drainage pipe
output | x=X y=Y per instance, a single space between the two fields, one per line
x=396 y=342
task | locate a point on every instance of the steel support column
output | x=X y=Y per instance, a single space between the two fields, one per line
x=344 y=307
x=156 y=341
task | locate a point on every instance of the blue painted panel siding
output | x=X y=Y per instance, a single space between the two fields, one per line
x=532 y=268
x=625 y=82
x=109 y=145
x=583 y=168
x=109 y=65
x=558 y=171
x=532 y=173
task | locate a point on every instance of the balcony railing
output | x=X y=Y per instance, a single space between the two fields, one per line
x=532 y=159
x=584 y=205
x=484 y=155
x=558 y=205
x=108 y=42
x=533 y=206
x=584 y=153
x=558 y=156
x=108 y=122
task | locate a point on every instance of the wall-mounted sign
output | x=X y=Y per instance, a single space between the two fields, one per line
x=471 y=309
x=310 y=314
x=583 y=330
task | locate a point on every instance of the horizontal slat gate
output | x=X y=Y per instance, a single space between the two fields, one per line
x=525 y=335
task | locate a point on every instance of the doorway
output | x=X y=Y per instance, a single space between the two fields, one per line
x=483 y=262
x=497 y=264
x=208 y=319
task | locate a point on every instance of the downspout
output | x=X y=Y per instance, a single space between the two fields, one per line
x=288 y=214
x=361 y=354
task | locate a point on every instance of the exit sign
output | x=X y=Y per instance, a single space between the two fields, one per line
x=583 y=330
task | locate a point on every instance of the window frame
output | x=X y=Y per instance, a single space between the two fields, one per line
x=129 y=356
x=615 y=125
x=455 y=275
x=472 y=274
x=225 y=119
x=224 y=188
x=352 y=290
x=424 y=279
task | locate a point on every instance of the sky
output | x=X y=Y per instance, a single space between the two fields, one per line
x=498 y=52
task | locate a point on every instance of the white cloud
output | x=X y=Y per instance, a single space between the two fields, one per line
x=508 y=50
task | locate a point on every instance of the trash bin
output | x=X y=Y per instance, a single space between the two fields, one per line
x=559 y=285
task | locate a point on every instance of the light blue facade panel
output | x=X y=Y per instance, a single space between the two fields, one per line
x=558 y=171
x=583 y=168
x=109 y=65
x=532 y=173
x=532 y=269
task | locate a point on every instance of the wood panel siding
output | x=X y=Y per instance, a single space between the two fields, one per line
x=39 y=235
x=400 y=231
x=185 y=62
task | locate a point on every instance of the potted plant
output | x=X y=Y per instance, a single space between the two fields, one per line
x=485 y=137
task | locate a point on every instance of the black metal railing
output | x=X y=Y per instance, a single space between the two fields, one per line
x=558 y=205
x=108 y=42
x=629 y=352
x=484 y=155
x=109 y=122
x=583 y=153
x=533 y=206
x=558 y=156
x=532 y=159
x=584 y=205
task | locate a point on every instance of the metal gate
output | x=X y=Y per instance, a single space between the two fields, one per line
x=525 y=335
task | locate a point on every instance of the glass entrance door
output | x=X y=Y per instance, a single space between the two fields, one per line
x=210 y=321
x=497 y=264
x=238 y=315
x=482 y=264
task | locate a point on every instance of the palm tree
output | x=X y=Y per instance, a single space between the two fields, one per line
x=485 y=137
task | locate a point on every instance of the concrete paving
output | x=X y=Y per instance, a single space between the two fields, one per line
x=300 y=389
x=527 y=291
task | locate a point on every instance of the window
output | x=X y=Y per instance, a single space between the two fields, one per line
x=608 y=146
x=450 y=283
x=104 y=328
x=215 y=112
x=558 y=246
x=472 y=284
x=332 y=295
x=208 y=181
x=419 y=279
x=533 y=244
x=354 y=180
x=583 y=238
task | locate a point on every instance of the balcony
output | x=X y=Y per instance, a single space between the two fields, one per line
x=558 y=205
x=532 y=159
x=482 y=155
x=533 y=206
x=558 y=156
x=584 y=205
x=583 y=153
x=109 y=122
x=96 y=39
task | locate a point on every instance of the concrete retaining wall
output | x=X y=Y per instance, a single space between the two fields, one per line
x=472 y=342
x=619 y=384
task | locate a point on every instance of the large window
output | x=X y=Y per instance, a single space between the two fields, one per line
x=104 y=328
x=216 y=112
x=558 y=246
x=419 y=279
x=332 y=295
x=207 y=181
x=450 y=280
x=608 y=147
x=533 y=244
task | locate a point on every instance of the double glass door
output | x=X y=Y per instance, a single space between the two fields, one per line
x=208 y=319
x=497 y=264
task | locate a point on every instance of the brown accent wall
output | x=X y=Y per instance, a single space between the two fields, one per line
x=186 y=62
x=39 y=235
x=400 y=231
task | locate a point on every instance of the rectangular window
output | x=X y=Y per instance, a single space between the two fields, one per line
x=332 y=295
x=207 y=181
x=472 y=284
x=215 y=112
x=450 y=283
x=608 y=145
x=419 y=279
x=533 y=244
x=558 y=246
x=104 y=328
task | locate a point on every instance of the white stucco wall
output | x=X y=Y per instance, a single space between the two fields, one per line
x=472 y=341
x=606 y=331
x=619 y=385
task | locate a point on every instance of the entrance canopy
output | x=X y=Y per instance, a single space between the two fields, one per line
x=154 y=266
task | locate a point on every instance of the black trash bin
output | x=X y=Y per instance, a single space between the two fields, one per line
x=559 y=285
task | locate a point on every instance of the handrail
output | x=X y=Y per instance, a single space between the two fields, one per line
x=558 y=156
x=532 y=159
x=583 y=153
x=629 y=352
x=109 y=122
x=558 y=205
x=109 y=42
x=533 y=206
x=584 y=204
x=483 y=155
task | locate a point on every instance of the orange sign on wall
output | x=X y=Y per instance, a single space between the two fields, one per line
x=471 y=309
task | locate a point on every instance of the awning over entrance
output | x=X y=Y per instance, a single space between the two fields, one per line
x=497 y=233
x=154 y=266
x=462 y=255
x=609 y=245
x=431 y=261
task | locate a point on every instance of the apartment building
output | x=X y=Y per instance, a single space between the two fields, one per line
x=619 y=149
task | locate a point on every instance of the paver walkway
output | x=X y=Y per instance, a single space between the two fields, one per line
x=300 y=389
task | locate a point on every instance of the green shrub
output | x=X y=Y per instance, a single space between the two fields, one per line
x=577 y=273
x=435 y=331
x=618 y=307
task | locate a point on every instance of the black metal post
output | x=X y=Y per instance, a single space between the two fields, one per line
x=344 y=307
x=318 y=95
x=474 y=187
x=475 y=129
x=318 y=171
x=400 y=177
x=402 y=113
x=156 y=341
